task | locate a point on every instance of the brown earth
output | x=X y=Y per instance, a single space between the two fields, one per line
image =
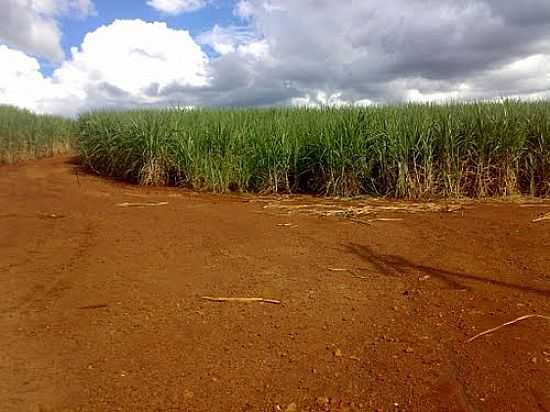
x=101 y=305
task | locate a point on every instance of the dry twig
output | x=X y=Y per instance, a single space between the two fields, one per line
x=50 y=216
x=361 y=210
x=351 y=271
x=142 y=204
x=545 y=216
x=386 y=219
x=479 y=335
x=242 y=300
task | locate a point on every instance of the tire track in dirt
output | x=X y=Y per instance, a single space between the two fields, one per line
x=63 y=276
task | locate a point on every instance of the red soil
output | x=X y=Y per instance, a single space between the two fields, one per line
x=101 y=307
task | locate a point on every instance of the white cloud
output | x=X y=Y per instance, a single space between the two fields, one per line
x=132 y=54
x=130 y=62
x=79 y=8
x=234 y=39
x=307 y=52
x=256 y=49
x=320 y=99
x=124 y=64
x=225 y=40
x=32 y=25
x=244 y=9
x=21 y=83
x=175 y=7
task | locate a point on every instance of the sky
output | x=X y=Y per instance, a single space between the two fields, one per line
x=71 y=56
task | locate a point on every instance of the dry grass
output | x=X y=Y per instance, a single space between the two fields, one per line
x=361 y=210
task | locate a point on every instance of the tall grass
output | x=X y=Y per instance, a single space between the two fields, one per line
x=409 y=151
x=25 y=135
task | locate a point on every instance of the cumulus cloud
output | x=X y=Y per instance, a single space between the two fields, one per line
x=21 y=83
x=313 y=52
x=225 y=40
x=32 y=25
x=127 y=63
x=175 y=7
x=131 y=56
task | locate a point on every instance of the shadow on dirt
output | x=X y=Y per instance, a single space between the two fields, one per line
x=79 y=169
x=74 y=160
x=397 y=266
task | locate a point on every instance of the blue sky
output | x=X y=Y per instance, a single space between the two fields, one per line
x=74 y=30
x=196 y=22
x=269 y=52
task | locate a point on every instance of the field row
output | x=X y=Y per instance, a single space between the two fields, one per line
x=409 y=151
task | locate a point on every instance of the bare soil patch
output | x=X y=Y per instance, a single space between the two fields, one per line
x=103 y=308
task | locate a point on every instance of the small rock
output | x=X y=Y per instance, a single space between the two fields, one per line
x=187 y=394
x=409 y=350
x=534 y=359
x=338 y=353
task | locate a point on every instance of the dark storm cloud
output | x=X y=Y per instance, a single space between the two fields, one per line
x=365 y=49
x=445 y=40
x=254 y=93
x=523 y=13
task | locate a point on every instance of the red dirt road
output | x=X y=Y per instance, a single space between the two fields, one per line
x=101 y=305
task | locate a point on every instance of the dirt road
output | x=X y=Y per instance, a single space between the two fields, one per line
x=101 y=305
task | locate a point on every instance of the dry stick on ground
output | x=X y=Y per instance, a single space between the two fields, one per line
x=352 y=271
x=385 y=219
x=545 y=216
x=242 y=300
x=50 y=216
x=143 y=204
x=479 y=335
x=535 y=205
